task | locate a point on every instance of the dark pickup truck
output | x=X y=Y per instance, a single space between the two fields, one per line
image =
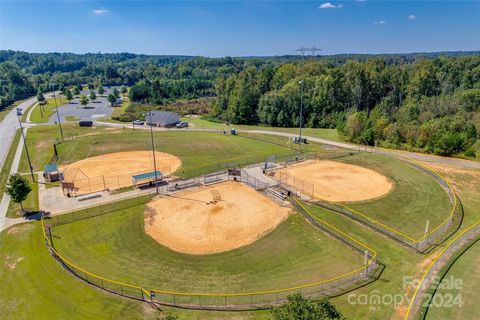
x=85 y=123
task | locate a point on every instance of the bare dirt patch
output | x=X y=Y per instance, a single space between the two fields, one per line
x=336 y=182
x=114 y=170
x=449 y=169
x=193 y=222
x=18 y=229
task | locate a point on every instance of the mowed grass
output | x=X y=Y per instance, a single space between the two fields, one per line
x=330 y=134
x=30 y=205
x=459 y=303
x=34 y=286
x=415 y=199
x=116 y=246
x=7 y=165
x=6 y=110
x=200 y=152
x=39 y=287
x=42 y=113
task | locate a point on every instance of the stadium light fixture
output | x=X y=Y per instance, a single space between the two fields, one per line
x=19 y=113
x=301 y=113
x=56 y=108
x=149 y=114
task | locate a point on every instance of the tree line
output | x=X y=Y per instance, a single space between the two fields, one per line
x=431 y=105
x=427 y=102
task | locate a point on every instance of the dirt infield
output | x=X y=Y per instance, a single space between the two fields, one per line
x=335 y=181
x=114 y=170
x=193 y=222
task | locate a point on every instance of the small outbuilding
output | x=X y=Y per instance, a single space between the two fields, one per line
x=159 y=118
x=51 y=173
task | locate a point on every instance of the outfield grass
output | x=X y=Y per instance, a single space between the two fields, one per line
x=205 y=153
x=7 y=165
x=465 y=269
x=39 y=286
x=34 y=285
x=115 y=245
x=42 y=113
x=415 y=198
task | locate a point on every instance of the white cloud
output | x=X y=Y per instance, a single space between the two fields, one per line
x=329 y=5
x=412 y=17
x=380 y=22
x=100 y=11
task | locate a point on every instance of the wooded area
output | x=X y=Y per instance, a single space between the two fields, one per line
x=425 y=102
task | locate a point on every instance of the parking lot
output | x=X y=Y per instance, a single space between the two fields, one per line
x=99 y=108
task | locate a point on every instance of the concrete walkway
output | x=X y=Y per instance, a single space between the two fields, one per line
x=4 y=221
x=398 y=153
x=49 y=198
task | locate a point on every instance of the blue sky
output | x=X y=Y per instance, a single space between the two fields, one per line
x=237 y=28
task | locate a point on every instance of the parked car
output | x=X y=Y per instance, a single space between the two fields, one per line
x=85 y=123
x=138 y=123
x=182 y=124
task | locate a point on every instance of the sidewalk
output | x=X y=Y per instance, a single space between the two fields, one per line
x=4 y=221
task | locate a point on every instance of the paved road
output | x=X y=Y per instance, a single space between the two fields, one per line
x=7 y=129
x=391 y=152
x=5 y=222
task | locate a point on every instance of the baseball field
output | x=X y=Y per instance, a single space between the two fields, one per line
x=224 y=238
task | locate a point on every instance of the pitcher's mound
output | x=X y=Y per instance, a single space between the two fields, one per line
x=213 y=219
x=336 y=181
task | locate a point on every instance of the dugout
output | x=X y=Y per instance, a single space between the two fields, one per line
x=147 y=178
x=51 y=173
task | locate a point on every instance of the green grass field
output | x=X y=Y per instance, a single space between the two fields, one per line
x=117 y=111
x=205 y=153
x=115 y=245
x=68 y=295
x=415 y=198
x=30 y=204
x=71 y=118
x=52 y=293
x=7 y=165
x=42 y=113
x=330 y=134
x=5 y=111
x=459 y=303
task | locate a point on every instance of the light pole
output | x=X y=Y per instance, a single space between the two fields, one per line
x=153 y=151
x=301 y=112
x=19 y=113
x=58 y=115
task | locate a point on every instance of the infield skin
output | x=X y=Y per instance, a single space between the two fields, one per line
x=193 y=222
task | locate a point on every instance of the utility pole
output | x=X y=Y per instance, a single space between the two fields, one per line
x=58 y=115
x=153 y=151
x=301 y=114
x=303 y=50
x=19 y=113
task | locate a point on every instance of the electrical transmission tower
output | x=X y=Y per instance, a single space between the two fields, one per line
x=311 y=50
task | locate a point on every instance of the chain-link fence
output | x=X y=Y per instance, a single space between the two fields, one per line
x=306 y=190
x=213 y=301
x=425 y=291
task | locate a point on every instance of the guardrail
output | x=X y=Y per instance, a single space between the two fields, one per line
x=213 y=301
